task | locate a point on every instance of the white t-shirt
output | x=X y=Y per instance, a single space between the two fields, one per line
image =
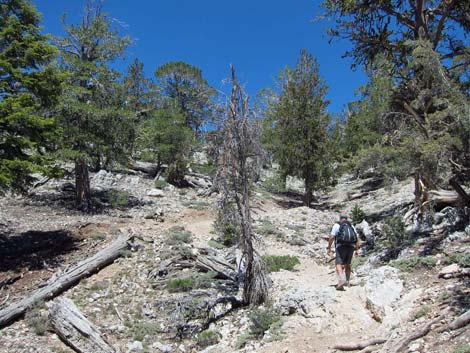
x=335 y=229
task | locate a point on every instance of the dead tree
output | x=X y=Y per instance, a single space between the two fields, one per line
x=239 y=152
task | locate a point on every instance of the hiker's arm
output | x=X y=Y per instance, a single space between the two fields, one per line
x=357 y=247
x=330 y=242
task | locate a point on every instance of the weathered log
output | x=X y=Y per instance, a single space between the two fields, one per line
x=151 y=169
x=459 y=322
x=423 y=331
x=222 y=269
x=75 y=330
x=198 y=182
x=360 y=345
x=10 y=280
x=461 y=192
x=442 y=198
x=60 y=282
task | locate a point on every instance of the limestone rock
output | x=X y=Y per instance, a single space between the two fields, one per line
x=155 y=193
x=449 y=271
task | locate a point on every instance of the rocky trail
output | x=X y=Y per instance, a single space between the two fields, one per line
x=131 y=303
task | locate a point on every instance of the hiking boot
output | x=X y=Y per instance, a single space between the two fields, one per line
x=340 y=285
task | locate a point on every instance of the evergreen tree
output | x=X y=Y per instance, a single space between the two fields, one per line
x=300 y=125
x=29 y=87
x=184 y=84
x=93 y=115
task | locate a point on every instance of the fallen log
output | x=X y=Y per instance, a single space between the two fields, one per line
x=442 y=198
x=222 y=269
x=423 y=331
x=59 y=283
x=75 y=330
x=360 y=345
x=461 y=192
x=459 y=322
x=10 y=280
x=152 y=169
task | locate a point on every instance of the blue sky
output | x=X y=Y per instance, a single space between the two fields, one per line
x=259 y=37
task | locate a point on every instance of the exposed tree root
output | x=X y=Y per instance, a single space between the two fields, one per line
x=461 y=321
x=360 y=345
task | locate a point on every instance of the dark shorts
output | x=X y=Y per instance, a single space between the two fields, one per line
x=344 y=254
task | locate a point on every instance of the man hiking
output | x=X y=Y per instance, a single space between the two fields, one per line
x=346 y=241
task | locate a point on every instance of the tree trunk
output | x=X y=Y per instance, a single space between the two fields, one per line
x=75 y=330
x=308 y=195
x=59 y=283
x=82 y=186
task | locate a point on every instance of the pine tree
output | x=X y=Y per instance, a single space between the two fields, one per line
x=184 y=84
x=29 y=87
x=93 y=114
x=300 y=125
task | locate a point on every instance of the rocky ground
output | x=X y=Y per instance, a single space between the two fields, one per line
x=134 y=305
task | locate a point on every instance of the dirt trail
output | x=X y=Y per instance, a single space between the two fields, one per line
x=332 y=316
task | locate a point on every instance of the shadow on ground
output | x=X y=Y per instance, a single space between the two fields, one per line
x=35 y=250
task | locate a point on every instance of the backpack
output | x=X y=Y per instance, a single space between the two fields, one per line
x=346 y=234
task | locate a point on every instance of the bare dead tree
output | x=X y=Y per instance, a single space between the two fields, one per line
x=239 y=157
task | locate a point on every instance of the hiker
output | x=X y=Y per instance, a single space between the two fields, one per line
x=346 y=241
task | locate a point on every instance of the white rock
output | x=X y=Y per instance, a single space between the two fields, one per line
x=155 y=193
x=449 y=271
x=164 y=348
x=135 y=346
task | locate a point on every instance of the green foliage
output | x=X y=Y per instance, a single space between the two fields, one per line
x=394 y=232
x=296 y=122
x=357 y=214
x=185 y=86
x=98 y=236
x=163 y=138
x=462 y=349
x=267 y=228
x=262 y=319
x=414 y=262
x=29 y=89
x=177 y=171
x=207 y=338
x=423 y=311
x=37 y=319
x=160 y=184
x=178 y=235
x=462 y=259
x=276 y=263
x=118 y=198
x=274 y=184
x=229 y=236
x=358 y=261
x=180 y=284
x=143 y=330
x=198 y=205
x=215 y=244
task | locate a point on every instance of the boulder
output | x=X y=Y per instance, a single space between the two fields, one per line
x=103 y=180
x=383 y=288
x=449 y=271
x=135 y=346
x=155 y=193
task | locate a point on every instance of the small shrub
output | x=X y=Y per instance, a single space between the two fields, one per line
x=204 y=280
x=276 y=263
x=262 y=319
x=267 y=228
x=125 y=253
x=274 y=185
x=462 y=259
x=423 y=311
x=229 y=235
x=242 y=340
x=358 y=261
x=178 y=235
x=160 y=184
x=98 y=236
x=297 y=240
x=411 y=263
x=444 y=296
x=180 y=284
x=215 y=244
x=141 y=330
x=357 y=214
x=207 y=338
x=37 y=320
x=199 y=205
x=296 y=227
x=394 y=232
x=117 y=198
x=462 y=349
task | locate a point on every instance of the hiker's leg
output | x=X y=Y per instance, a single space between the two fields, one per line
x=347 y=270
